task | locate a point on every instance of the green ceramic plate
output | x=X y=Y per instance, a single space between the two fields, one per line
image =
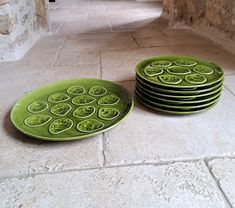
x=176 y=112
x=184 y=107
x=179 y=102
x=71 y=109
x=179 y=72
x=195 y=91
x=176 y=96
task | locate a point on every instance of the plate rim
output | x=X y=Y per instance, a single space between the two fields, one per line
x=138 y=67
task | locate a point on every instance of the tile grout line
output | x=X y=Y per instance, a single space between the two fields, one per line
x=132 y=37
x=157 y=163
x=59 y=51
x=103 y=134
x=227 y=88
x=229 y=204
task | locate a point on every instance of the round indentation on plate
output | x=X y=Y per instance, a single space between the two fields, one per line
x=201 y=69
x=83 y=100
x=37 y=120
x=195 y=78
x=76 y=90
x=108 y=113
x=152 y=71
x=97 y=91
x=89 y=125
x=170 y=79
x=84 y=112
x=58 y=97
x=60 y=125
x=61 y=109
x=185 y=62
x=219 y=70
x=109 y=100
x=161 y=63
x=180 y=70
x=37 y=106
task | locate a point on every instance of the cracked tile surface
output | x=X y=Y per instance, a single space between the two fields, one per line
x=224 y=172
x=176 y=185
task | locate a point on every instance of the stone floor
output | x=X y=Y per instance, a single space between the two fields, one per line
x=149 y=160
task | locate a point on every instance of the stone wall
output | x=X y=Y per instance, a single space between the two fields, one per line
x=22 y=23
x=214 y=19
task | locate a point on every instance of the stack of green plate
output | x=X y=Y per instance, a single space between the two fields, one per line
x=179 y=85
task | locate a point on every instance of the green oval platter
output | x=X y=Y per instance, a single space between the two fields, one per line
x=71 y=109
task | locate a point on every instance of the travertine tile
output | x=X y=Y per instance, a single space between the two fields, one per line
x=74 y=28
x=148 y=33
x=74 y=44
x=179 y=185
x=177 y=32
x=173 y=41
x=147 y=135
x=116 y=35
x=224 y=171
x=230 y=82
x=73 y=58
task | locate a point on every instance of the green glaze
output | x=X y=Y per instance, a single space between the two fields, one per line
x=108 y=113
x=185 y=62
x=59 y=122
x=196 y=73
x=37 y=106
x=161 y=63
x=170 y=79
x=153 y=71
x=170 y=95
x=183 y=107
x=60 y=125
x=109 y=100
x=176 y=101
x=201 y=69
x=175 y=92
x=76 y=90
x=178 y=70
x=58 y=97
x=84 y=112
x=97 y=91
x=83 y=100
x=195 y=78
x=90 y=125
x=61 y=109
x=176 y=112
x=37 y=120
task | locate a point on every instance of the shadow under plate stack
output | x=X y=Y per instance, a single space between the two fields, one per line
x=178 y=85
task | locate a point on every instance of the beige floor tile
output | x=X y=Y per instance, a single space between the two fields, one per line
x=166 y=137
x=73 y=58
x=230 y=82
x=170 y=41
x=224 y=171
x=148 y=33
x=101 y=44
x=177 y=185
x=74 y=28
x=107 y=35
